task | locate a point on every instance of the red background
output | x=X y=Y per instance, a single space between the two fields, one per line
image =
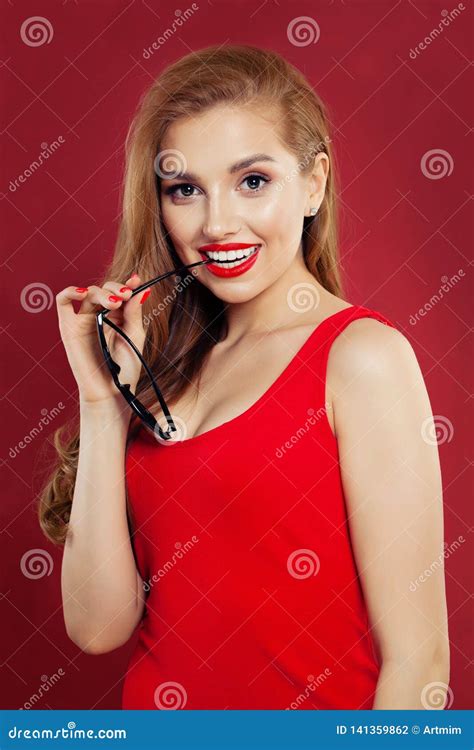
x=401 y=233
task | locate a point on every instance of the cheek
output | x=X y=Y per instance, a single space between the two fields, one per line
x=179 y=223
x=280 y=213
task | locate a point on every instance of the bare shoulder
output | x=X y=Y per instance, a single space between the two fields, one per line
x=369 y=346
x=372 y=367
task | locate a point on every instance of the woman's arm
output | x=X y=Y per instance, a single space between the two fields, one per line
x=392 y=483
x=103 y=595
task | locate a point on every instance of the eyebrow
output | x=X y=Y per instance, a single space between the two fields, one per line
x=242 y=164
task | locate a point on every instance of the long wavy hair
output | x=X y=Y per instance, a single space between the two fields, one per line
x=180 y=337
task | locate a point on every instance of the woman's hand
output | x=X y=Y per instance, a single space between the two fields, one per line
x=81 y=342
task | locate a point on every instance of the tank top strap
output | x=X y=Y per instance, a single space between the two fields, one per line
x=324 y=336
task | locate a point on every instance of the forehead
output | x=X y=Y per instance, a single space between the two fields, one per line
x=224 y=134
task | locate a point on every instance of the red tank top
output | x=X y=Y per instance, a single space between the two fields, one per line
x=243 y=543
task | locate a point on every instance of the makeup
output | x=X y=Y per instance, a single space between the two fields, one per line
x=229 y=260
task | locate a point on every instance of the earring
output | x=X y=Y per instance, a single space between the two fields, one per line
x=314 y=211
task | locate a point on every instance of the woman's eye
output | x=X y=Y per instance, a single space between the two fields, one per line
x=173 y=190
x=185 y=190
x=253 y=178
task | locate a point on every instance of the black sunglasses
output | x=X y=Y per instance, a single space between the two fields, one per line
x=145 y=415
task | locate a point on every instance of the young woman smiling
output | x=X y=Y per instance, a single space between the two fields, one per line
x=265 y=552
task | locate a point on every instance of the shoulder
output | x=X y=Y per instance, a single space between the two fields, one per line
x=370 y=346
x=372 y=363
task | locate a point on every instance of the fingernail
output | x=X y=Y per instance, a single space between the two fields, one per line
x=125 y=289
x=114 y=298
x=134 y=275
x=82 y=288
x=146 y=294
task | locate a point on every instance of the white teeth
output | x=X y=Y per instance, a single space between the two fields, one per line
x=233 y=255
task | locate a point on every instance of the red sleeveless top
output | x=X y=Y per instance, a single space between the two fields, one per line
x=242 y=540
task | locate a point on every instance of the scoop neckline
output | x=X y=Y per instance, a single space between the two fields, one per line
x=292 y=363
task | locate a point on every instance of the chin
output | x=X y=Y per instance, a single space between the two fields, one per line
x=234 y=293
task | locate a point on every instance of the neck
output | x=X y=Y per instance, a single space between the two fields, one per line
x=291 y=300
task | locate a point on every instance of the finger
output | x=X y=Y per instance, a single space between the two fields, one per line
x=134 y=281
x=124 y=291
x=120 y=290
x=128 y=317
x=98 y=297
x=64 y=300
x=133 y=310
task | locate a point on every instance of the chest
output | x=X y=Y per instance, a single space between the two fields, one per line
x=234 y=378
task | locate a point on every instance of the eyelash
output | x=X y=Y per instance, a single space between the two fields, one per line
x=174 y=188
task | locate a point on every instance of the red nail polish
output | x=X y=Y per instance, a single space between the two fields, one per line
x=114 y=298
x=125 y=289
x=82 y=288
x=146 y=294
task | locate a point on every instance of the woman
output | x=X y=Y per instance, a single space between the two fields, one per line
x=266 y=550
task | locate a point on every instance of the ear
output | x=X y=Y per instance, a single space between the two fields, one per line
x=317 y=183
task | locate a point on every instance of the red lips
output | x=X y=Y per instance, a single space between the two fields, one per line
x=220 y=269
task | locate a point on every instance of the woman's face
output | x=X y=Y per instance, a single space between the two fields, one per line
x=240 y=187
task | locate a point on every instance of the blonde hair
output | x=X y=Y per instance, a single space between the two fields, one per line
x=184 y=333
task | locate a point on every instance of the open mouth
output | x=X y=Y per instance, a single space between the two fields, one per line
x=231 y=258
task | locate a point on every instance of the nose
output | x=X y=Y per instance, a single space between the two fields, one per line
x=220 y=220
